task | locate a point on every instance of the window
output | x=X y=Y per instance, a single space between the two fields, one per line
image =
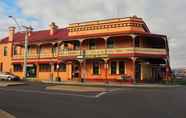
x=28 y=50
x=17 y=68
x=44 y=67
x=76 y=45
x=15 y=50
x=96 y=68
x=1 y=67
x=92 y=44
x=113 y=67
x=61 y=68
x=121 y=67
x=5 y=51
x=110 y=43
x=38 y=50
x=65 y=46
x=54 y=50
x=137 y=42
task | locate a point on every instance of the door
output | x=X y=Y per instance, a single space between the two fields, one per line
x=157 y=73
x=138 y=72
x=75 y=71
x=31 y=71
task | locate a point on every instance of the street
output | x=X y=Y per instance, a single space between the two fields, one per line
x=33 y=101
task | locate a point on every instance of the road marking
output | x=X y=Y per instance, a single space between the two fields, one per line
x=4 y=114
x=48 y=93
x=100 y=94
x=64 y=94
x=108 y=92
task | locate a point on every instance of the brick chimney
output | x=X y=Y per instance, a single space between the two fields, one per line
x=11 y=33
x=53 y=27
x=30 y=29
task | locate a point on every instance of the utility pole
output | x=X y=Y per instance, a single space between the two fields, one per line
x=27 y=30
x=25 y=54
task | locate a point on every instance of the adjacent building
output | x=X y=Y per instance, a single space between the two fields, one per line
x=179 y=73
x=117 y=49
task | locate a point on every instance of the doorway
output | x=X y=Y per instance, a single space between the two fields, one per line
x=157 y=73
x=138 y=72
x=75 y=71
x=31 y=71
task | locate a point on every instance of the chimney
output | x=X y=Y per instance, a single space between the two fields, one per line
x=53 y=27
x=11 y=33
x=29 y=29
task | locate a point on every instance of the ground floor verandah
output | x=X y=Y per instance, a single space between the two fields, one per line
x=100 y=69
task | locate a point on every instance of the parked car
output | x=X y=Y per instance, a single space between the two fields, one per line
x=8 y=76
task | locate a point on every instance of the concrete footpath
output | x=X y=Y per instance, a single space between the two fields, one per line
x=111 y=84
x=4 y=114
x=10 y=83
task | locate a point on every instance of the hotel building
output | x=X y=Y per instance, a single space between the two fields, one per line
x=119 y=49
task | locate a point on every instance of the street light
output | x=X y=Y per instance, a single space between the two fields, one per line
x=27 y=30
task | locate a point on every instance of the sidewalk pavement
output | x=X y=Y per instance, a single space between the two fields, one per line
x=10 y=83
x=111 y=84
x=4 y=114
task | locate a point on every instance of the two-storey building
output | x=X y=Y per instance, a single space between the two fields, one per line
x=102 y=50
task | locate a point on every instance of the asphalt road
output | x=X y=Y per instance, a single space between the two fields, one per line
x=32 y=101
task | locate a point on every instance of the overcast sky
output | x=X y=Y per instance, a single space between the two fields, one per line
x=162 y=16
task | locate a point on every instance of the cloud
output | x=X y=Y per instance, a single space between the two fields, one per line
x=161 y=16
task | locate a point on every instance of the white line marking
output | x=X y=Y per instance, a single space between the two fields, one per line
x=108 y=92
x=100 y=94
x=63 y=94
x=48 y=93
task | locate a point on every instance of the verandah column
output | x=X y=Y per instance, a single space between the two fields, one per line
x=106 y=69
x=167 y=60
x=37 y=70
x=133 y=36
x=134 y=68
x=37 y=63
x=167 y=70
x=106 y=59
x=58 y=57
x=82 y=61
x=69 y=70
x=52 y=71
x=52 y=63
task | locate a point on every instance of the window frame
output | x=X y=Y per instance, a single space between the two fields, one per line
x=137 y=42
x=124 y=67
x=110 y=45
x=43 y=67
x=92 y=41
x=62 y=67
x=111 y=69
x=15 y=51
x=17 y=68
x=95 y=69
x=5 y=51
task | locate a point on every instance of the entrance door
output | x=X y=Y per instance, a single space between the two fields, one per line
x=156 y=73
x=75 y=71
x=138 y=72
x=31 y=71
